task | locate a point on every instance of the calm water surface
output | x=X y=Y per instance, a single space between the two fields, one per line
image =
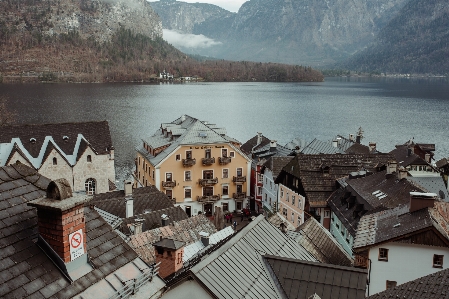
x=390 y=111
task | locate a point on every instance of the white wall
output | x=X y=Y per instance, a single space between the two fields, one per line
x=189 y=290
x=406 y=262
x=269 y=189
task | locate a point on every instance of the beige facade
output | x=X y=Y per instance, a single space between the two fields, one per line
x=291 y=205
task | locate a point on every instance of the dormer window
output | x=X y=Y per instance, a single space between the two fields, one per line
x=89 y=158
x=55 y=161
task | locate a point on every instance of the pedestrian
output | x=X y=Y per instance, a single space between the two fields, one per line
x=241 y=216
x=235 y=225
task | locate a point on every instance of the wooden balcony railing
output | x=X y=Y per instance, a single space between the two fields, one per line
x=208 y=161
x=361 y=261
x=239 y=179
x=208 y=198
x=241 y=195
x=207 y=182
x=169 y=184
x=224 y=160
x=188 y=162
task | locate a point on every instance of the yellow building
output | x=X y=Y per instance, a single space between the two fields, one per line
x=197 y=165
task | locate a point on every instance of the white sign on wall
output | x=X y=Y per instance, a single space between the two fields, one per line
x=76 y=241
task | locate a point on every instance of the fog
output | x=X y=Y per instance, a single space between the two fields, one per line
x=191 y=41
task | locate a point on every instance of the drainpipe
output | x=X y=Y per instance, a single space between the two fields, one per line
x=369 y=276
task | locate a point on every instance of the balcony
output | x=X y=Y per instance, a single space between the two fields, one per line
x=208 y=198
x=240 y=195
x=224 y=160
x=239 y=179
x=208 y=161
x=169 y=184
x=207 y=182
x=188 y=162
x=361 y=261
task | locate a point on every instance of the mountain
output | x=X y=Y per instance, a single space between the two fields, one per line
x=307 y=32
x=415 y=41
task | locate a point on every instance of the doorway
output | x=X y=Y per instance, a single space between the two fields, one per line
x=189 y=211
x=208 y=209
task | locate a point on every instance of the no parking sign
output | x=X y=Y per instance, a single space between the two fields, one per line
x=76 y=244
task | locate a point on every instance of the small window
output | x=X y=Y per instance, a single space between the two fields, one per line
x=225 y=190
x=224 y=152
x=293 y=200
x=168 y=177
x=55 y=161
x=169 y=193
x=293 y=217
x=383 y=254
x=284 y=211
x=282 y=192
x=225 y=173
x=239 y=188
x=178 y=157
x=239 y=172
x=208 y=154
x=391 y=284
x=438 y=261
x=288 y=197
x=187 y=176
x=259 y=190
x=89 y=158
x=299 y=219
x=232 y=154
x=188 y=154
x=90 y=186
x=188 y=193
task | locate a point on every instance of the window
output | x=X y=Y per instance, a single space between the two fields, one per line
x=179 y=258
x=168 y=177
x=224 y=152
x=187 y=176
x=288 y=198
x=284 y=211
x=259 y=190
x=383 y=254
x=89 y=158
x=232 y=154
x=438 y=261
x=293 y=217
x=208 y=153
x=293 y=200
x=239 y=189
x=225 y=173
x=259 y=178
x=188 y=154
x=225 y=190
x=391 y=284
x=90 y=185
x=282 y=192
x=178 y=157
x=239 y=172
x=299 y=219
x=187 y=193
x=208 y=174
x=326 y=214
x=55 y=161
x=265 y=197
x=153 y=173
x=169 y=193
x=337 y=225
x=208 y=191
x=271 y=185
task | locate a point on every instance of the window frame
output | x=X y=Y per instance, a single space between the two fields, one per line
x=223 y=187
x=169 y=175
x=223 y=173
x=438 y=260
x=239 y=169
x=178 y=157
x=187 y=189
x=187 y=178
x=383 y=254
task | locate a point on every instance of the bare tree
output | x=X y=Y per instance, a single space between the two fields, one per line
x=7 y=116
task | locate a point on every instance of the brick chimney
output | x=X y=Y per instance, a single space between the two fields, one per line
x=402 y=173
x=420 y=200
x=273 y=145
x=169 y=254
x=204 y=238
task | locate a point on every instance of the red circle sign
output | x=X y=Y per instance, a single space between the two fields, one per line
x=76 y=240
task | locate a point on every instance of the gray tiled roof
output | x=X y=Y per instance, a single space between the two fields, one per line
x=303 y=279
x=432 y=286
x=432 y=185
x=248 y=146
x=266 y=151
x=243 y=254
x=25 y=270
x=320 y=243
x=320 y=147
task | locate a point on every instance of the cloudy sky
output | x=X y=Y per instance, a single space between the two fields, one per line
x=231 y=5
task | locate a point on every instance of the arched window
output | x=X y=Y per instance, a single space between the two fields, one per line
x=89 y=158
x=90 y=186
x=55 y=161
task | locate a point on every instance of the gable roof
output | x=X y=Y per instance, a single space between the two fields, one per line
x=250 y=145
x=266 y=151
x=65 y=137
x=243 y=254
x=320 y=243
x=432 y=286
x=26 y=271
x=145 y=199
x=403 y=157
x=303 y=279
x=275 y=164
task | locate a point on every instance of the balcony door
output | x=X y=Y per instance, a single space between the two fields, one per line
x=208 y=174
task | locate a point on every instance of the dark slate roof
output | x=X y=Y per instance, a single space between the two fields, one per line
x=357 y=148
x=144 y=199
x=303 y=279
x=247 y=147
x=432 y=286
x=320 y=243
x=275 y=164
x=153 y=219
x=392 y=224
x=401 y=156
x=25 y=270
x=169 y=243
x=432 y=184
x=319 y=184
x=442 y=163
x=97 y=133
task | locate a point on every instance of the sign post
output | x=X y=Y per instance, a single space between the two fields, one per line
x=76 y=241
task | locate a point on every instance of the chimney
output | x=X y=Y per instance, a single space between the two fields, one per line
x=351 y=137
x=372 y=147
x=129 y=203
x=297 y=149
x=402 y=173
x=259 y=138
x=409 y=151
x=169 y=254
x=138 y=226
x=111 y=153
x=358 y=138
x=273 y=145
x=128 y=187
x=183 y=118
x=164 y=219
x=391 y=167
x=420 y=200
x=62 y=228
x=204 y=238
x=427 y=158
x=335 y=143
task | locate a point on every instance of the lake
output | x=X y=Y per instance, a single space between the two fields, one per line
x=390 y=111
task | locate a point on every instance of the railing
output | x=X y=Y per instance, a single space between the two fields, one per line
x=188 y=162
x=224 y=160
x=241 y=195
x=208 y=161
x=132 y=286
x=208 y=198
x=207 y=182
x=239 y=179
x=361 y=261
x=169 y=184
